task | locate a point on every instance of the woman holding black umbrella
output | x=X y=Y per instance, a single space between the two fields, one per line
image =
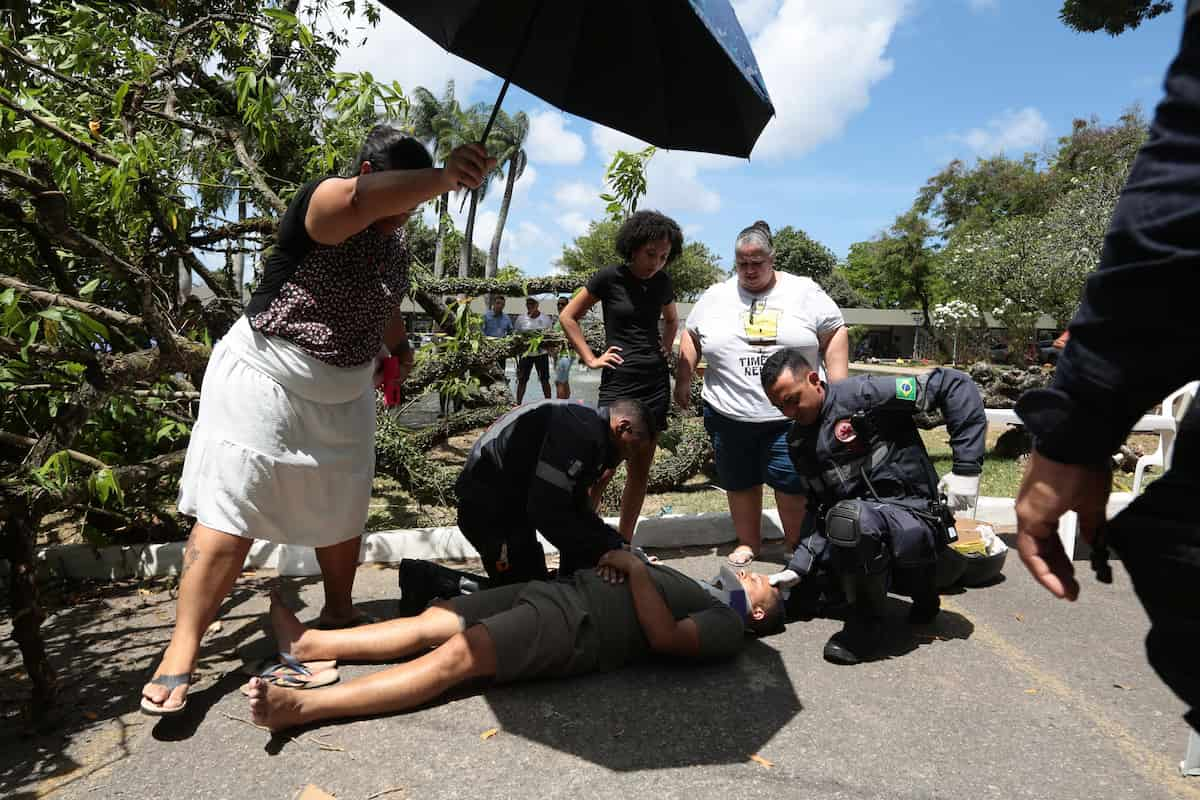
x=634 y=296
x=284 y=447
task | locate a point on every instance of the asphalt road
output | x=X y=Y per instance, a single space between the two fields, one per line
x=1009 y=695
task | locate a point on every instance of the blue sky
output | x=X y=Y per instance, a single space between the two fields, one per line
x=872 y=97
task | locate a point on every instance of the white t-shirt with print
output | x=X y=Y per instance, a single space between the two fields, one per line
x=738 y=331
x=541 y=322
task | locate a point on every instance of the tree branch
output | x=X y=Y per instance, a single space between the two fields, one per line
x=26 y=441
x=46 y=352
x=234 y=230
x=164 y=395
x=40 y=67
x=129 y=478
x=47 y=298
x=78 y=143
x=184 y=122
x=16 y=212
x=51 y=206
x=254 y=173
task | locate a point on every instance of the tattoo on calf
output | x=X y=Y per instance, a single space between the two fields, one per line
x=190 y=554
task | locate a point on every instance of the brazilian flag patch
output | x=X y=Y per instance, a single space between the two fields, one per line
x=906 y=389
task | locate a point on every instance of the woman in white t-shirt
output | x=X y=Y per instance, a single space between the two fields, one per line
x=736 y=326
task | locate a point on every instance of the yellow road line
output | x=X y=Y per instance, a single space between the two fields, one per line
x=1154 y=766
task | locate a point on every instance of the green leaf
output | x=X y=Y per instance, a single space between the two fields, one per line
x=285 y=17
x=89 y=288
x=56 y=472
x=51 y=314
x=119 y=99
x=104 y=484
x=19 y=155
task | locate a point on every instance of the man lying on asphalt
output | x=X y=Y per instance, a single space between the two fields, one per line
x=619 y=613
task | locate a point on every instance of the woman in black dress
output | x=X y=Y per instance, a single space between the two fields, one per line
x=634 y=296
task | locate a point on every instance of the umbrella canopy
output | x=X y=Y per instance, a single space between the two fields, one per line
x=678 y=74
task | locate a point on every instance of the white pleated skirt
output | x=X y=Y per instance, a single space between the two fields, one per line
x=284 y=446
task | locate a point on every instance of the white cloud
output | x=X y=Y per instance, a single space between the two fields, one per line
x=395 y=50
x=819 y=61
x=1024 y=129
x=578 y=195
x=573 y=223
x=485 y=226
x=672 y=176
x=754 y=14
x=550 y=141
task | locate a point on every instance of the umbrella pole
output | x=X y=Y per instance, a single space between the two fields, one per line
x=520 y=52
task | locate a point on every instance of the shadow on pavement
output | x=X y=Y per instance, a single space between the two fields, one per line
x=657 y=716
x=104 y=641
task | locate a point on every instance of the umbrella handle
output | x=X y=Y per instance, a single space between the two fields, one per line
x=488 y=128
x=517 y=56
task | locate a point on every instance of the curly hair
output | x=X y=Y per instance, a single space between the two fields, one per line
x=389 y=148
x=648 y=226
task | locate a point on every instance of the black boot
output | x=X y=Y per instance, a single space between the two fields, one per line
x=926 y=602
x=860 y=637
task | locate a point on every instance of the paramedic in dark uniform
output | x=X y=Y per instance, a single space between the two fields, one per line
x=876 y=514
x=1144 y=290
x=531 y=471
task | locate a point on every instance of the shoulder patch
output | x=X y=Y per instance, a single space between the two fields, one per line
x=906 y=389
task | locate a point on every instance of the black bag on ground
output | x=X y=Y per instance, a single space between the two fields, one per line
x=422 y=582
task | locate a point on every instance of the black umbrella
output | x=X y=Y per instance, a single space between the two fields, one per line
x=678 y=74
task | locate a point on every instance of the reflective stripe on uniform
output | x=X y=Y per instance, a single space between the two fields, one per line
x=554 y=476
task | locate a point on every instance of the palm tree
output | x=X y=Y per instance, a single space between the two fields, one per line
x=434 y=121
x=470 y=125
x=512 y=133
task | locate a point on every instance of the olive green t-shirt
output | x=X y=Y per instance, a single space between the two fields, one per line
x=611 y=612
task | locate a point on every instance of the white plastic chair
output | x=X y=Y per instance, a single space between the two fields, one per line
x=1175 y=406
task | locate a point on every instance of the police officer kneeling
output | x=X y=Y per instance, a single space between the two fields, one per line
x=876 y=505
x=532 y=471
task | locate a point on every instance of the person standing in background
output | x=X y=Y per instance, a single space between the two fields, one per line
x=735 y=327
x=634 y=296
x=533 y=320
x=562 y=365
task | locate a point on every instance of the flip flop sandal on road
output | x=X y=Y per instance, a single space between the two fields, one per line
x=741 y=557
x=295 y=675
x=171 y=682
x=262 y=665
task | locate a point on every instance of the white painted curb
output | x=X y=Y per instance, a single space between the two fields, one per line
x=674 y=530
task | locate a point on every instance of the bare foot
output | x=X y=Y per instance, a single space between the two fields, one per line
x=289 y=631
x=272 y=707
